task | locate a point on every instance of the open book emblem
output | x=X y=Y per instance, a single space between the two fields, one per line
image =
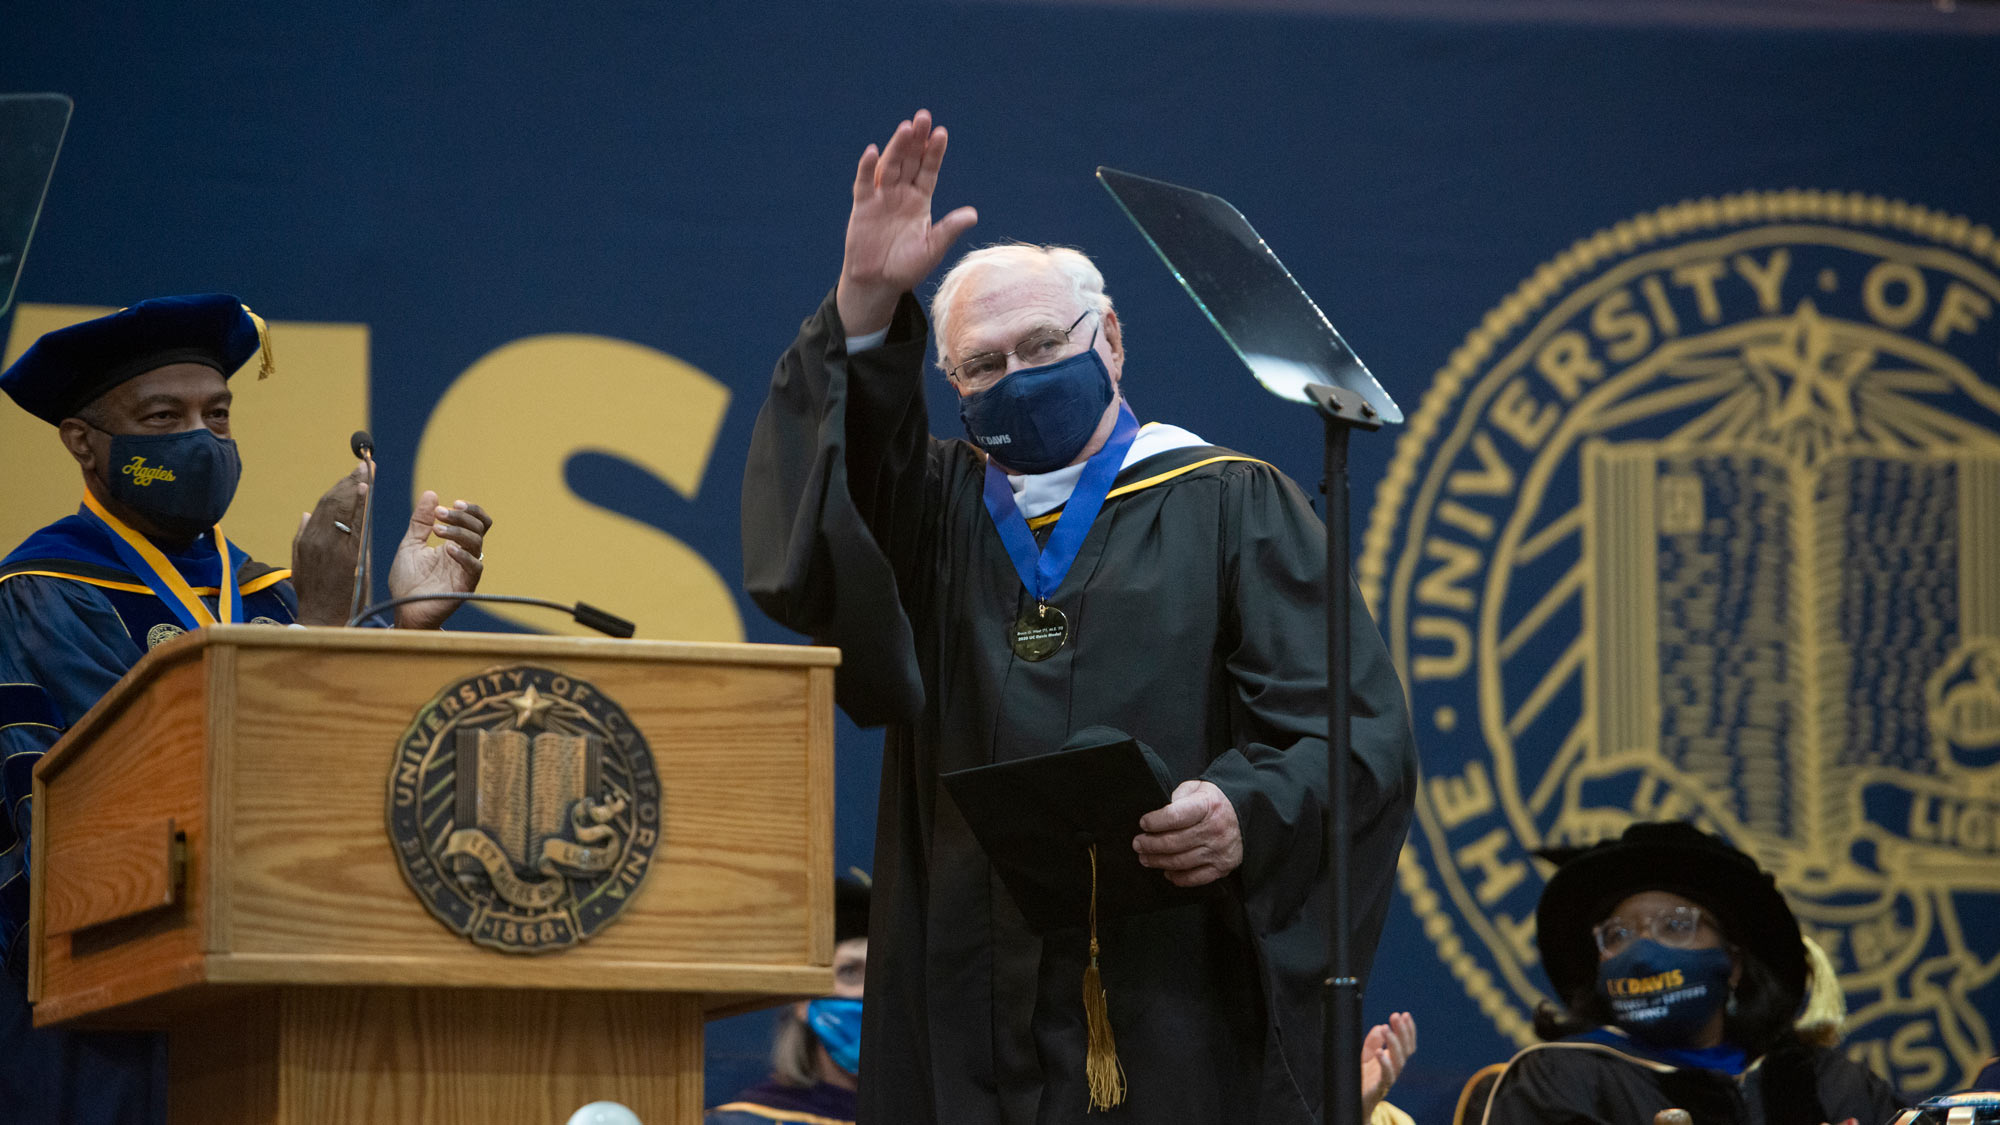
x=1702 y=523
x=525 y=808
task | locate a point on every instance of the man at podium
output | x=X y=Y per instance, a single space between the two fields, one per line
x=1097 y=573
x=141 y=400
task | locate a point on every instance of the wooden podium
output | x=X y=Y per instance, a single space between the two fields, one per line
x=215 y=855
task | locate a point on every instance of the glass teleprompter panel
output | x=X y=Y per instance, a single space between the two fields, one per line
x=1244 y=290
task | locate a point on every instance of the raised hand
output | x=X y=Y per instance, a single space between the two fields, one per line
x=454 y=566
x=892 y=244
x=324 y=550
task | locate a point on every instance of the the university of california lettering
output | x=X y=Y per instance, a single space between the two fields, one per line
x=525 y=808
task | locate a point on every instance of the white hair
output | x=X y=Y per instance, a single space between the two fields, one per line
x=1085 y=282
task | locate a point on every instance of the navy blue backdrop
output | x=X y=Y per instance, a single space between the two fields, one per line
x=459 y=177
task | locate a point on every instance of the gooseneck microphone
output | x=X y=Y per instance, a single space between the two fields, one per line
x=363 y=447
x=610 y=624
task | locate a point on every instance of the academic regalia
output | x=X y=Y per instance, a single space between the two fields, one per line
x=72 y=621
x=1197 y=626
x=822 y=1103
x=1604 y=1076
x=75 y=615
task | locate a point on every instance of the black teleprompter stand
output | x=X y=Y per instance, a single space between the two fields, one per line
x=1291 y=348
x=1342 y=412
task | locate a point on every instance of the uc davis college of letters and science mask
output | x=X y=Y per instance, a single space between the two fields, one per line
x=1662 y=995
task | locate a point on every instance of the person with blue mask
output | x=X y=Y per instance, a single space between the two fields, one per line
x=140 y=400
x=816 y=1053
x=1060 y=568
x=1682 y=975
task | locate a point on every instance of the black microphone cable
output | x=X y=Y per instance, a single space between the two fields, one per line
x=582 y=613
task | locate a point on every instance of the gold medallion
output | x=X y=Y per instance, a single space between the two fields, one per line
x=1039 y=633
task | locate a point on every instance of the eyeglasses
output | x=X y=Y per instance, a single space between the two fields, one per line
x=1043 y=345
x=1679 y=927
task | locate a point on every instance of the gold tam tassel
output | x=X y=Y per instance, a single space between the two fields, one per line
x=1101 y=1066
x=1825 y=1018
x=268 y=362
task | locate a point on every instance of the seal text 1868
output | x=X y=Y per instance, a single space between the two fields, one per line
x=524 y=807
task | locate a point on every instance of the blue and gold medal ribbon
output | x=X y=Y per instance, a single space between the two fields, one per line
x=1042 y=568
x=160 y=575
x=228 y=594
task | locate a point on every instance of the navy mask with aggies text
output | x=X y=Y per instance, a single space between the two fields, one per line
x=183 y=482
x=1039 y=418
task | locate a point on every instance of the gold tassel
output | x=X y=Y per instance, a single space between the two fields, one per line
x=1825 y=1018
x=269 y=362
x=1101 y=1066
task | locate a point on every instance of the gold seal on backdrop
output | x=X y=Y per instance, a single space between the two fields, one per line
x=1703 y=522
x=524 y=808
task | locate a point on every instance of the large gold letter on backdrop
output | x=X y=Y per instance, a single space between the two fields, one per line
x=507 y=428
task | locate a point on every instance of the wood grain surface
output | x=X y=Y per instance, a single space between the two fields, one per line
x=114 y=875
x=272 y=749
x=141 y=764
x=435 y=1057
x=314 y=871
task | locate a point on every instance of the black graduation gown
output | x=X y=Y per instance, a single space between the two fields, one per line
x=1572 y=1082
x=1197 y=616
x=71 y=624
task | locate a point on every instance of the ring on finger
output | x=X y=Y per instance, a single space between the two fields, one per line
x=344 y=529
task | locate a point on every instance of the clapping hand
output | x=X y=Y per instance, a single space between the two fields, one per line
x=453 y=566
x=1383 y=1053
x=324 y=550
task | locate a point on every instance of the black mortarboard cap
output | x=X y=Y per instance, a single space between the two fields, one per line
x=1058 y=828
x=1665 y=856
x=69 y=368
x=1037 y=817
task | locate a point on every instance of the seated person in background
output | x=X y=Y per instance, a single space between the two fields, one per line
x=816 y=1053
x=140 y=399
x=1682 y=970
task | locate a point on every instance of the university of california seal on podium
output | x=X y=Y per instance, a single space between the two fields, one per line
x=524 y=807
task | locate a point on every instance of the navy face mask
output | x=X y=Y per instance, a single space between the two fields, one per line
x=183 y=482
x=836 y=1020
x=1039 y=418
x=1663 y=995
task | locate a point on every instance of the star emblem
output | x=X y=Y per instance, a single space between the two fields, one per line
x=1807 y=378
x=529 y=706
